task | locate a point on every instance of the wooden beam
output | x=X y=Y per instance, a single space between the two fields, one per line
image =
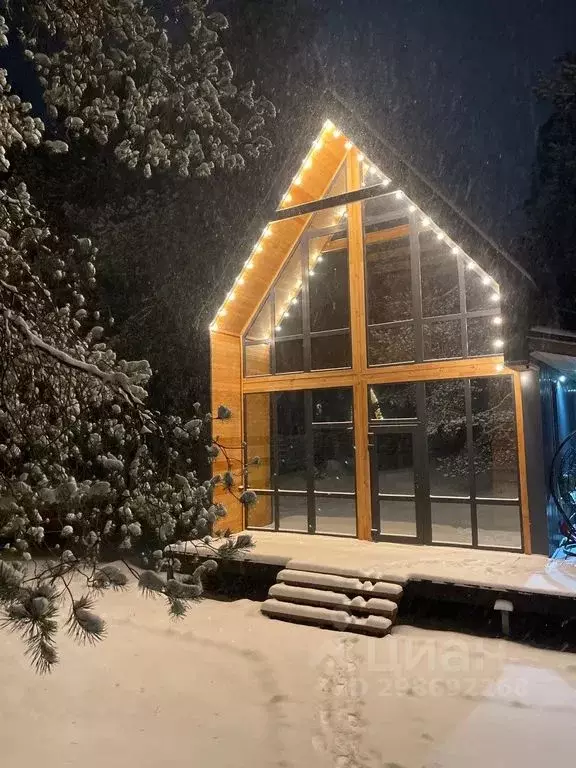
x=444 y=369
x=522 y=468
x=346 y=198
x=359 y=354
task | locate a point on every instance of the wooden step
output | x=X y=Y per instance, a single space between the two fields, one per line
x=325 y=598
x=339 y=620
x=380 y=589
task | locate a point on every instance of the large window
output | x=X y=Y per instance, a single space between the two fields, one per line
x=304 y=324
x=468 y=492
x=305 y=477
x=425 y=300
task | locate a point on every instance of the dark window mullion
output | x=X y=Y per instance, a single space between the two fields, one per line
x=308 y=415
x=471 y=472
x=273 y=331
x=274 y=458
x=462 y=289
x=307 y=352
x=416 y=288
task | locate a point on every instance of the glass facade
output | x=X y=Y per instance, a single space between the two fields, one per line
x=308 y=474
x=443 y=452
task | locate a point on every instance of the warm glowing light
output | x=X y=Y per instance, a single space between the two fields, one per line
x=287 y=198
x=360 y=156
x=328 y=125
x=214 y=326
x=386 y=182
x=266 y=232
x=298 y=180
x=320 y=258
x=222 y=312
x=398 y=194
x=348 y=145
x=240 y=280
x=278 y=327
x=337 y=133
x=231 y=296
x=317 y=144
x=294 y=301
x=425 y=221
x=248 y=264
x=500 y=367
x=485 y=280
x=562 y=379
x=471 y=265
x=455 y=250
x=372 y=169
x=308 y=162
x=412 y=208
x=311 y=272
x=495 y=297
x=498 y=343
x=497 y=320
x=258 y=248
x=440 y=236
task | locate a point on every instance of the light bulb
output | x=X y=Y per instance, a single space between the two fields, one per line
x=294 y=301
x=455 y=250
x=440 y=236
x=485 y=280
x=337 y=133
x=412 y=208
x=308 y=162
x=360 y=156
x=498 y=343
x=278 y=327
x=231 y=296
x=222 y=312
x=425 y=221
x=386 y=182
x=500 y=367
x=348 y=145
x=495 y=297
x=398 y=194
x=286 y=314
x=497 y=320
x=240 y=280
x=311 y=272
x=248 y=264
x=317 y=144
x=471 y=265
x=298 y=180
x=562 y=379
x=257 y=248
x=320 y=258
x=372 y=169
x=287 y=198
x=213 y=326
x=266 y=232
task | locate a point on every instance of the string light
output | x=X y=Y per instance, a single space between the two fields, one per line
x=311 y=272
x=386 y=182
x=348 y=145
x=471 y=265
x=497 y=320
x=485 y=280
x=231 y=296
x=298 y=180
x=328 y=125
x=294 y=301
x=258 y=248
x=412 y=208
x=440 y=236
x=500 y=367
x=248 y=264
x=337 y=133
x=317 y=144
x=240 y=280
x=455 y=250
x=222 y=312
x=360 y=156
x=308 y=163
x=495 y=297
x=562 y=379
x=266 y=232
x=287 y=198
x=425 y=221
x=398 y=194
x=213 y=326
x=498 y=343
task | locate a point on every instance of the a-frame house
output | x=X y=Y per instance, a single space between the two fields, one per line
x=374 y=353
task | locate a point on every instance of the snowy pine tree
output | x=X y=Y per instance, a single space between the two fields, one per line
x=86 y=468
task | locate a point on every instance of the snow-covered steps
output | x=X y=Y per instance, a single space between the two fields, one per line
x=341 y=602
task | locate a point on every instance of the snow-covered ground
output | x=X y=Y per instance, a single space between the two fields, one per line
x=229 y=687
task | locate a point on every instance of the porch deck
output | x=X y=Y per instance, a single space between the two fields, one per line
x=499 y=571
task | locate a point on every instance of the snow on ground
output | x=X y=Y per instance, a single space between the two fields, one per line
x=229 y=687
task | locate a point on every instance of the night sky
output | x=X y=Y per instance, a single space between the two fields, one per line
x=449 y=83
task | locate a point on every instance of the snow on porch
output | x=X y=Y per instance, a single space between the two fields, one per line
x=403 y=562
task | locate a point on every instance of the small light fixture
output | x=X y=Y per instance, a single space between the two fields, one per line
x=320 y=258
x=455 y=250
x=562 y=379
x=412 y=208
x=497 y=320
x=240 y=280
x=294 y=301
x=498 y=343
x=440 y=236
x=485 y=280
x=278 y=327
x=386 y=182
x=337 y=133
x=495 y=297
x=425 y=221
x=311 y=272
x=471 y=265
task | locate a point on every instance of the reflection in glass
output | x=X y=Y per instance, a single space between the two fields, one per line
x=480 y=291
x=395 y=463
x=289 y=356
x=391 y=344
x=447 y=438
x=291 y=441
x=257 y=360
x=261 y=327
x=442 y=339
x=451 y=523
x=388 y=279
x=258 y=439
x=499 y=526
x=482 y=333
x=439 y=276
x=328 y=288
x=335 y=515
x=332 y=404
x=392 y=401
x=261 y=515
x=288 y=298
x=293 y=512
x=334 y=460
x=494 y=432
x=331 y=351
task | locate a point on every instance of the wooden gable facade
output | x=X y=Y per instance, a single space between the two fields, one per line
x=339 y=319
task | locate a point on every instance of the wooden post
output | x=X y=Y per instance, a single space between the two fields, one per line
x=358 y=341
x=522 y=469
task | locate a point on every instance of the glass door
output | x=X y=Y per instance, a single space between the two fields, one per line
x=399 y=508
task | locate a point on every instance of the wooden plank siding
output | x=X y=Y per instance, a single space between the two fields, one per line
x=522 y=469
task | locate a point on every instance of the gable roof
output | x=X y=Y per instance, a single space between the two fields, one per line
x=306 y=176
